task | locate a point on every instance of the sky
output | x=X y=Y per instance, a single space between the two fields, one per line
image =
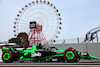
x=78 y=16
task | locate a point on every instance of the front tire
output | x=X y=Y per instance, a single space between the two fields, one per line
x=70 y=55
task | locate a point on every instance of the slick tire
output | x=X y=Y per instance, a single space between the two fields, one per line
x=7 y=56
x=70 y=55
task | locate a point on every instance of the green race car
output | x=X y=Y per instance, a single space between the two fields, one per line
x=38 y=53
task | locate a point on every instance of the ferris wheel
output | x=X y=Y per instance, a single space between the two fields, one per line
x=45 y=14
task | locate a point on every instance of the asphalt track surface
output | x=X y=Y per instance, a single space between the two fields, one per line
x=86 y=63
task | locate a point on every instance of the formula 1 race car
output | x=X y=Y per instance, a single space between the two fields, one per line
x=40 y=54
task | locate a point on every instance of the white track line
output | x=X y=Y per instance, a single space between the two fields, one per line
x=53 y=65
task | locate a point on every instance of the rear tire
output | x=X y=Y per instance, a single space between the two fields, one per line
x=70 y=55
x=7 y=56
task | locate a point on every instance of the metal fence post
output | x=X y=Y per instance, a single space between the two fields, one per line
x=78 y=39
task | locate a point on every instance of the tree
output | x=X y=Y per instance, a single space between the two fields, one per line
x=21 y=39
